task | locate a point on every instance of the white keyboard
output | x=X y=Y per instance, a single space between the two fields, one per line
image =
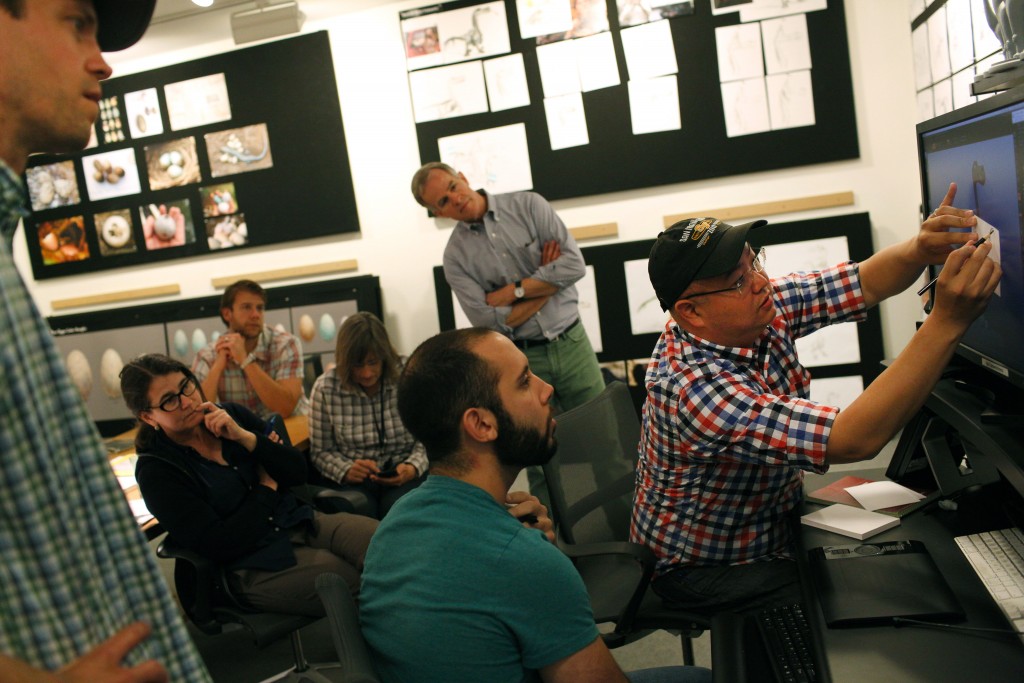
x=998 y=559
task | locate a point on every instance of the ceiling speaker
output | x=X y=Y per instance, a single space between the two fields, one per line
x=266 y=21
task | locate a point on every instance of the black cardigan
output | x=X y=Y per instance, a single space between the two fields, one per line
x=223 y=512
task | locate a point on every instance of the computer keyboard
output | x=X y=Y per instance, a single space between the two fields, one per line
x=787 y=639
x=998 y=559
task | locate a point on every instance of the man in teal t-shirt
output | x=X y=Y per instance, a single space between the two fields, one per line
x=456 y=588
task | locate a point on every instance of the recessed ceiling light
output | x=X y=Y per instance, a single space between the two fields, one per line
x=202 y=3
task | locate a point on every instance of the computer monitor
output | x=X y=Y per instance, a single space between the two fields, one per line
x=981 y=148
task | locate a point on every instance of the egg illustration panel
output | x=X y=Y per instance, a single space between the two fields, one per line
x=317 y=324
x=94 y=360
x=110 y=373
x=81 y=374
x=307 y=328
x=327 y=330
x=185 y=338
x=179 y=343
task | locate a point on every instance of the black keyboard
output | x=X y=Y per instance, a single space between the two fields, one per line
x=787 y=639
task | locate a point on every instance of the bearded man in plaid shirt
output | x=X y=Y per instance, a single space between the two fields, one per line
x=728 y=425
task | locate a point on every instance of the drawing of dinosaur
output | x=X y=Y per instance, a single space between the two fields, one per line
x=473 y=38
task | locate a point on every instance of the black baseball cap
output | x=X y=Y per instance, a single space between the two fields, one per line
x=122 y=22
x=693 y=249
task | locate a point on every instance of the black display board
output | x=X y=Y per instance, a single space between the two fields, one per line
x=290 y=179
x=618 y=342
x=616 y=159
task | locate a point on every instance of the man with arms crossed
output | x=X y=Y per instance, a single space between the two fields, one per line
x=483 y=597
x=728 y=427
x=513 y=266
x=252 y=363
x=77 y=578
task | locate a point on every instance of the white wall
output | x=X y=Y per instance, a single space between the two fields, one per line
x=401 y=245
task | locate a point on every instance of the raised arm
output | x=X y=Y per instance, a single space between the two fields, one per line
x=962 y=292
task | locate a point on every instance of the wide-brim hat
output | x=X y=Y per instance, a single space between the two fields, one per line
x=693 y=249
x=122 y=22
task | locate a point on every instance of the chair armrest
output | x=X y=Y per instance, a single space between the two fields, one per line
x=196 y=579
x=641 y=553
x=343 y=616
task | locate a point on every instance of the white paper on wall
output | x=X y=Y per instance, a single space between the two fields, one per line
x=649 y=50
x=448 y=91
x=567 y=123
x=506 y=82
x=746 y=107
x=938 y=45
x=786 y=45
x=739 y=52
x=837 y=391
x=654 y=105
x=645 y=314
x=790 y=100
x=496 y=159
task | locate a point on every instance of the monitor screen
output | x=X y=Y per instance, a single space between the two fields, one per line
x=981 y=148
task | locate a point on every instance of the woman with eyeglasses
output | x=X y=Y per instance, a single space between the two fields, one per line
x=217 y=479
x=356 y=437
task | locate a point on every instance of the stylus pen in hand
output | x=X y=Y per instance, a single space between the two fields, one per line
x=931 y=285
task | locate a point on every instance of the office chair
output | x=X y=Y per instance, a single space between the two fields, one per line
x=590 y=482
x=206 y=597
x=343 y=616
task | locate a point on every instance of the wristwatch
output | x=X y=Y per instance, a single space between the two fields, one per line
x=518 y=290
x=248 y=359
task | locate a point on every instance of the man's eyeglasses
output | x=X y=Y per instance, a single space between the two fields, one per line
x=756 y=266
x=173 y=402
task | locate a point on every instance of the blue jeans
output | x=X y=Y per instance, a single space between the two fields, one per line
x=671 y=674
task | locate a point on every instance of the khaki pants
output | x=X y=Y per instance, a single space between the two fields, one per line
x=337 y=544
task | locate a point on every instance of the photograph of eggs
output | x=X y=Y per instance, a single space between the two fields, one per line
x=172 y=164
x=167 y=225
x=63 y=240
x=52 y=185
x=219 y=200
x=225 y=232
x=238 y=150
x=114 y=232
x=111 y=174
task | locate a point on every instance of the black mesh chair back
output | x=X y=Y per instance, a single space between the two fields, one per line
x=591 y=476
x=590 y=483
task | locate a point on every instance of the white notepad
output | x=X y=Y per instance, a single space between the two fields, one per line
x=850 y=521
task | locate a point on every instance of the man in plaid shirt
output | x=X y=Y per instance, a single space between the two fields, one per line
x=728 y=427
x=252 y=363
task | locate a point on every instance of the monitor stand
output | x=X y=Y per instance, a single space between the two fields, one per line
x=1003 y=406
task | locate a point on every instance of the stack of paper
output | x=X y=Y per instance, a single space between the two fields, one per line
x=850 y=521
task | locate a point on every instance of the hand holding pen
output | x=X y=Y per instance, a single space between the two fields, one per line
x=931 y=284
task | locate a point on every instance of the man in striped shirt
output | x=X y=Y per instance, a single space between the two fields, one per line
x=728 y=426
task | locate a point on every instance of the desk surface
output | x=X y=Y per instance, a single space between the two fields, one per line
x=911 y=654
